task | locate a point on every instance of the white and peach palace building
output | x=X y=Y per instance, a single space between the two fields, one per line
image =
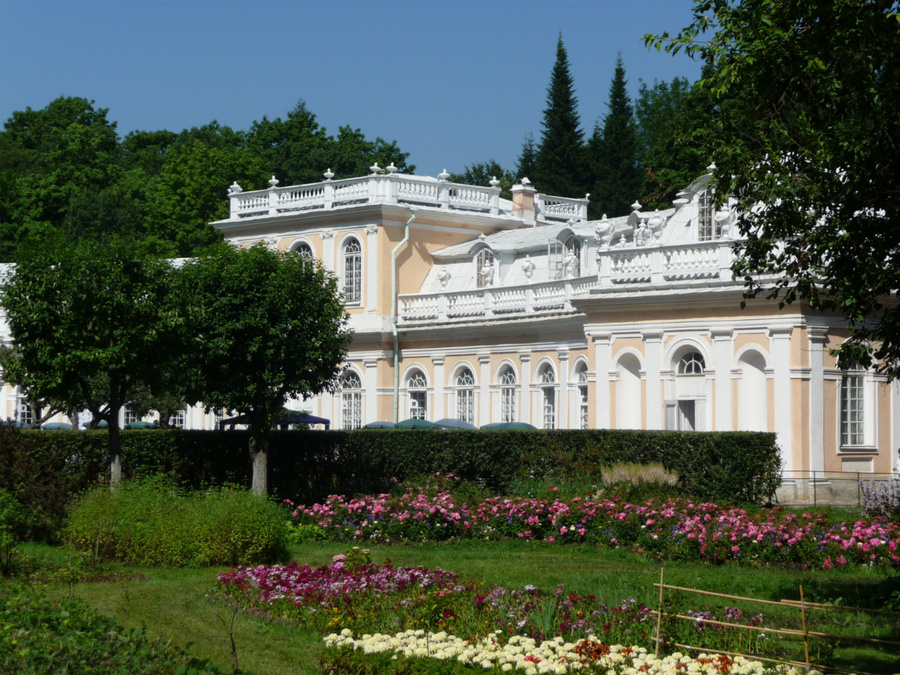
x=470 y=306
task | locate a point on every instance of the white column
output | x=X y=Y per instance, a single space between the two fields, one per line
x=780 y=341
x=602 y=342
x=722 y=352
x=484 y=389
x=372 y=269
x=563 y=413
x=525 y=412
x=652 y=359
x=817 y=337
x=438 y=405
x=370 y=387
x=895 y=420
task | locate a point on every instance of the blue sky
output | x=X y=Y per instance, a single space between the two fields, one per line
x=453 y=82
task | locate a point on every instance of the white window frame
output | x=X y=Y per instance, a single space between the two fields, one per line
x=417 y=390
x=583 y=401
x=706 y=221
x=465 y=395
x=351 y=400
x=856 y=411
x=508 y=393
x=549 y=405
x=351 y=252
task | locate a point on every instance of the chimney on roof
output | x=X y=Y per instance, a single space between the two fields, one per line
x=523 y=201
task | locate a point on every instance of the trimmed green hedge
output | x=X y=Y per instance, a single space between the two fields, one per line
x=45 y=469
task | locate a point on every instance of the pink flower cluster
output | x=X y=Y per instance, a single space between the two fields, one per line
x=675 y=528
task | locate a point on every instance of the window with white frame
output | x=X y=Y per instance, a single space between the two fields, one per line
x=556 y=255
x=465 y=396
x=303 y=248
x=706 y=217
x=177 y=420
x=417 y=388
x=484 y=268
x=548 y=397
x=352 y=271
x=853 y=422
x=691 y=364
x=351 y=400
x=24 y=412
x=508 y=395
x=582 y=396
x=131 y=415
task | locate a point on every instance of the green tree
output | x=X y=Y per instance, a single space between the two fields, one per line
x=614 y=149
x=671 y=117
x=807 y=125
x=192 y=187
x=560 y=164
x=268 y=326
x=49 y=158
x=482 y=173
x=89 y=322
x=527 y=161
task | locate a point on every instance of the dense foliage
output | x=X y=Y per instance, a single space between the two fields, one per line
x=66 y=172
x=807 y=125
x=151 y=523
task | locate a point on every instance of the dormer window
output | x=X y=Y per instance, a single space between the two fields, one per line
x=484 y=268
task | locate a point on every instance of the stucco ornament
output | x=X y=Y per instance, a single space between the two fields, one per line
x=570 y=265
x=235 y=189
x=724 y=220
x=271 y=242
x=444 y=276
x=528 y=267
x=643 y=236
x=603 y=232
x=487 y=274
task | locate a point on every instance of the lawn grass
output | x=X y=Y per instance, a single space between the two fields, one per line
x=176 y=604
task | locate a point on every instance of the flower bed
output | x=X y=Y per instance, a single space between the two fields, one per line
x=550 y=656
x=677 y=529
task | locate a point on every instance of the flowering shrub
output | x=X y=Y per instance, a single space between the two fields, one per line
x=550 y=656
x=881 y=498
x=678 y=529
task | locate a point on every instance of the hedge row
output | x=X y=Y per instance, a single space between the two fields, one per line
x=44 y=469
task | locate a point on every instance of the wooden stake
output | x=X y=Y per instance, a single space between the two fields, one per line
x=805 y=633
x=660 y=614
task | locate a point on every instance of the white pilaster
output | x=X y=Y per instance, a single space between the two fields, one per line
x=652 y=359
x=563 y=415
x=371 y=390
x=372 y=269
x=602 y=342
x=328 y=260
x=780 y=341
x=484 y=389
x=817 y=338
x=722 y=353
x=438 y=405
x=525 y=361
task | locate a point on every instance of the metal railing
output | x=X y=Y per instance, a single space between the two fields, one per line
x=816 y=487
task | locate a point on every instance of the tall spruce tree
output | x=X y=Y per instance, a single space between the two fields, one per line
x=614 y=151
x=560 y=162
x=527 y=162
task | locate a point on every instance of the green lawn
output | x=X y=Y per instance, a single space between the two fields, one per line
x=175 y=603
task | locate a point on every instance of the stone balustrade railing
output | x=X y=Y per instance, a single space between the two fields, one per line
x=560 y=209
x=657 y=265
x=497 y=302
x=374 y=189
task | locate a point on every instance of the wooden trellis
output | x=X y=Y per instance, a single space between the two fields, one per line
x=805 y=633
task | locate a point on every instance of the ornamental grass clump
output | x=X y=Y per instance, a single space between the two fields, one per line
x=152 y=523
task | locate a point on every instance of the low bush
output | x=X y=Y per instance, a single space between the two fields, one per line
x=13 y=527
x=40 y=636
x=151 y=523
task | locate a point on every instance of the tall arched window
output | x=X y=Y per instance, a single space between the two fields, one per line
x=548 y=397
x=352 y=270
x=484 y=268
x=465 y=396
x=417 y=388
x=508 y=395
x=351 y=400
x=582 y=378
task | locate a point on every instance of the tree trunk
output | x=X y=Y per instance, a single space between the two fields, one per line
x=259 y=453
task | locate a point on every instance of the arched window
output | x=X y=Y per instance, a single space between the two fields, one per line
x=417 y=388
x=691 y=364
x=484 y=268
x=548 y=396
x=582 y=378
x=303 y=248
x=352 y=271
x=706 y=217
x=351 y=400
x=508 y=395
x=465 y=396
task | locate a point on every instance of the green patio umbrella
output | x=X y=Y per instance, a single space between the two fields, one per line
x=451 y=423
x=414 y=423
x=380 y=425
x=500 y=426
